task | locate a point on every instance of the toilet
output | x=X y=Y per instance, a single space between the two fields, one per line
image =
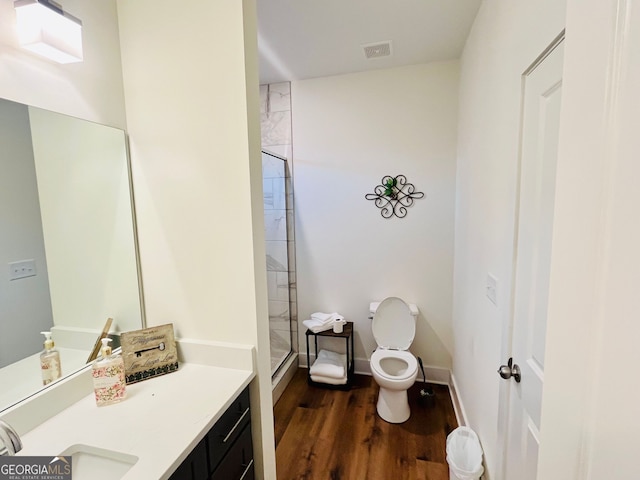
x=393 y=367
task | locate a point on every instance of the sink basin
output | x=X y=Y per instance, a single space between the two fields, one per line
x=93 y=463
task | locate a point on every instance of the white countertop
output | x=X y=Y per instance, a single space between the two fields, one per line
x=160 y=421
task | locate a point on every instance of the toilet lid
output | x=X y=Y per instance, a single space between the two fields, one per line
x=393 y=325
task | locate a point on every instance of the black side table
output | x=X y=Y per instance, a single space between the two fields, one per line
x=347 y=334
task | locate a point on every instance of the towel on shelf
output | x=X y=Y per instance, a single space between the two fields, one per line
x=329 y=380
x=319 y=322
x=329 y=364
x=373 y=307
x=326 y=317
x=321 y=317
x=317 y=326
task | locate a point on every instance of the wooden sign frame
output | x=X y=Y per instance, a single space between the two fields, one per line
x=149 y=352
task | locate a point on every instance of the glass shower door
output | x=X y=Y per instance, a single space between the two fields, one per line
x=277 y=228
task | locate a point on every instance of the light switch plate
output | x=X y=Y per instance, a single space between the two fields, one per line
x=492 y=289
x=22 y=269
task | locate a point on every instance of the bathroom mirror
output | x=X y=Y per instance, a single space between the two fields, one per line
x=68 y=252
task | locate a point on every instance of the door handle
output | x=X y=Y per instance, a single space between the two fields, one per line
x=510 y=370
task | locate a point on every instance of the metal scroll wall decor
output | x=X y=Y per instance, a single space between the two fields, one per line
x=394 y=195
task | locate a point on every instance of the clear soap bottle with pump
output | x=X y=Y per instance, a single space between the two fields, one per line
x=49 y=361
x=108 y=376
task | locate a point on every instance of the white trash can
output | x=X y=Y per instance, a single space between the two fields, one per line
x=464 y=455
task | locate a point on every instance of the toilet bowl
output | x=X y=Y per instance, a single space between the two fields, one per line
x=393 y=367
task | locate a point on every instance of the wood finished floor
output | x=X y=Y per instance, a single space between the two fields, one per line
x=326 y=434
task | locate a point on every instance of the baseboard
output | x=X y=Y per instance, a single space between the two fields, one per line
x=458 y=407
x=286 y=373
x=437 y=375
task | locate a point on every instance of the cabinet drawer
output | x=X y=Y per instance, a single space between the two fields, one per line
x=228 y=429
x=194 y=466
x=238 y=463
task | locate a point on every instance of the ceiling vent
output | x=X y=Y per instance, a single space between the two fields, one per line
x=378 y=49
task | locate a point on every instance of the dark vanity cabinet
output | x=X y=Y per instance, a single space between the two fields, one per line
x=226 y=451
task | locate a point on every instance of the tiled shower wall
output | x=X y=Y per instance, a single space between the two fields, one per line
x=275 y=119
x=275 y=112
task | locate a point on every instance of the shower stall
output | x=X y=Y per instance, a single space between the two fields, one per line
x=280 y=249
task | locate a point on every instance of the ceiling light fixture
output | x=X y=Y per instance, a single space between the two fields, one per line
x=45 y=29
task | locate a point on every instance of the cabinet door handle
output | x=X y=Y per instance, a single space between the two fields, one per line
x=246 y=469
x=236 y=425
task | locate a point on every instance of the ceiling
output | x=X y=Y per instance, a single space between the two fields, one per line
x=300 y=39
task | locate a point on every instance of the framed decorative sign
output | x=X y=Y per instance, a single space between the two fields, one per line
x=149 y=352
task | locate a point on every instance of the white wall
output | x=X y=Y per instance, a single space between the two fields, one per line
x=91 y=89
x=194 y=126
x=348 y=132
x=189 y=152
x=25 y=305
x=275 y=119
x=505 y=39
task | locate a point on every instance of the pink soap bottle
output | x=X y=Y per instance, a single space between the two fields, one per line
x=108 y=376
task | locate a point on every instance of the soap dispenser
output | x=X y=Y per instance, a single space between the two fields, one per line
x=108 y=376
x=49 y=361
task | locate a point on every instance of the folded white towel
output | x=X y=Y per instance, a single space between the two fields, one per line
x=317 y=326
x=326 y=317
x=329 y=380
x=321 y=317
x=373 y=307
x=329 y=364
x=333 y=357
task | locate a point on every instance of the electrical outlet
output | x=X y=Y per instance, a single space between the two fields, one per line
x=491 y=289
x=22 y=269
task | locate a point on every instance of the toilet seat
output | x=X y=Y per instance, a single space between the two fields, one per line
x=382 y=354
x=394 y=326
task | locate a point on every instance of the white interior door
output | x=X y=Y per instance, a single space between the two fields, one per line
x=540 y=128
